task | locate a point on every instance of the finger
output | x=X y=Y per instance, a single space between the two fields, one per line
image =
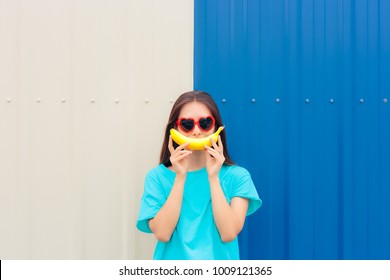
x=220 y=143
x=207 y=155
x=170 y=145
x=211 y=151
x=183 y=156
x=207 y=148
x=180 y=153
x=183 y=146
x=215 y=146
x=213 y=143
x=218 y=155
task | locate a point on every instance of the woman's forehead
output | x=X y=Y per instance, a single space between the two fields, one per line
x=194 y=110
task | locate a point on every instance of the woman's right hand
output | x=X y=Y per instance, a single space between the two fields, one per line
x=179 y=158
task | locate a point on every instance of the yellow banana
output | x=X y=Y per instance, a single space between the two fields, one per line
x=195 y=143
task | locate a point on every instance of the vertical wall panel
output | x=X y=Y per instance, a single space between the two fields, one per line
x=302 y=87
x=85 y=92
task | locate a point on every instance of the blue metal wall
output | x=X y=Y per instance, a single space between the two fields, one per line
x=303 y=89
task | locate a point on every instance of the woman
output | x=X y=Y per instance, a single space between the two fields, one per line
x=196 y=202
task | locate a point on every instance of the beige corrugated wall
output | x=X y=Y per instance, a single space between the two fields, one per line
x=85 y=91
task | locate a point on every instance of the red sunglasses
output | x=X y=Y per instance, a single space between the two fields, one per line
x=188 y=124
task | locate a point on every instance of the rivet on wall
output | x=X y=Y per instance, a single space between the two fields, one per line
x=223 y=100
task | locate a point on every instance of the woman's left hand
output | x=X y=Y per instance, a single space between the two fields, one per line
x=214 y=157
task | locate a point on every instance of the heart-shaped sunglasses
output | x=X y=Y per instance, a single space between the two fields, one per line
x=188 y=124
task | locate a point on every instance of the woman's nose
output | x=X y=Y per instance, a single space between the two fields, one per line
x=196 y=131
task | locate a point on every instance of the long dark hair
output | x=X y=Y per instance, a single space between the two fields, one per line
x=187 y=97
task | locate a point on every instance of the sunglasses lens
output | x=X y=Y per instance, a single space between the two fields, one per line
x=186 y=125
x=206 y=123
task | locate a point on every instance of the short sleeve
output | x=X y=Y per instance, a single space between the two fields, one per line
x=152 y=200
x=244 y=187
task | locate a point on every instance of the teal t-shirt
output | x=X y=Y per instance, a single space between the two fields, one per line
x=196 y=236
